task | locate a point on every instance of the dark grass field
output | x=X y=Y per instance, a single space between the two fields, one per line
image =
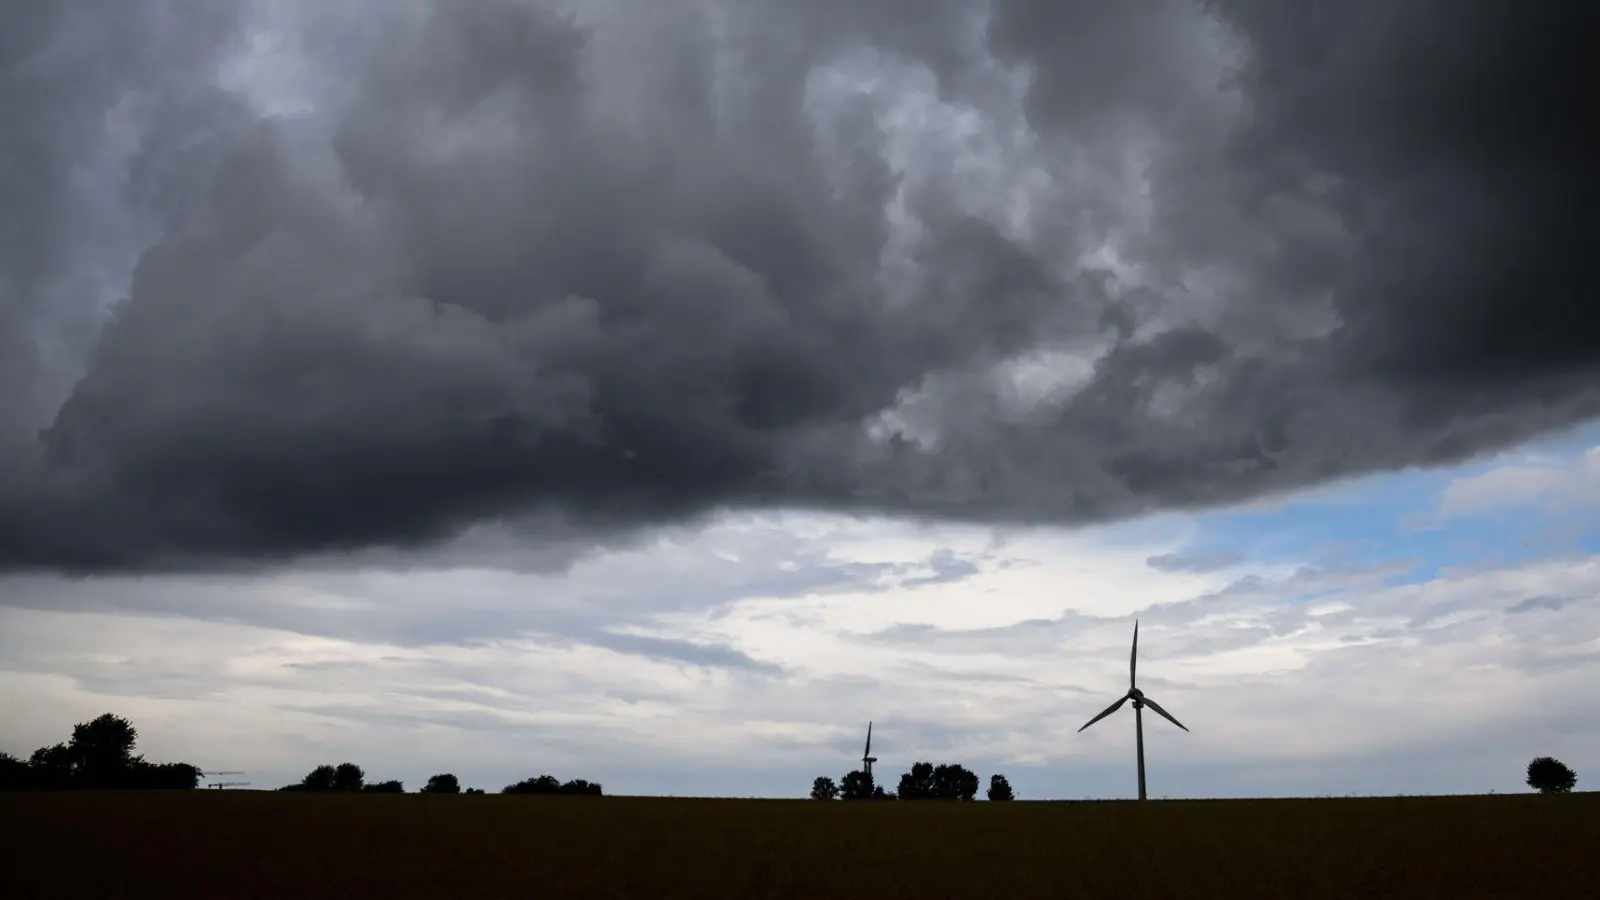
x=261 y=844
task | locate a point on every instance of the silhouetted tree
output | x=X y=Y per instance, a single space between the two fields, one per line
x=949 y=781
x=549 y=784
x=954 y=782
x=99 y=755
x=51 y=767
x=15 y=774
x=318 y=780
x=582 y=787
x=544 y=784
x=163 y=776
x=917 y=784
x=823 y=788
x=856 y=785
x=1000 y=788
x=101 y=752
x=1549 y=775
x=474 y=791
x=348 y=776
x=384 y=787
x=879 y=794
x=442 y=784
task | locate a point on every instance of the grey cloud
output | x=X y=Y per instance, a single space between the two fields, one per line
x=705 y=572
x=1536 y=603
x=1201 y=562
x=1034 y=636
x=617 y=272
x=943 y=567
x=671 y=650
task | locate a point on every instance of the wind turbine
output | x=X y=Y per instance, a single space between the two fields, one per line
x=1140 y=701
x=867 y=759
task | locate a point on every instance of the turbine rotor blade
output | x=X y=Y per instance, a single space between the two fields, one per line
x=1163 y=713
x=1109 y=710
x=1133 y=659
x=868 y=752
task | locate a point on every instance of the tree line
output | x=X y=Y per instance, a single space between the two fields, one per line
x=99 y=756
x=350 y=777
x=925 y=781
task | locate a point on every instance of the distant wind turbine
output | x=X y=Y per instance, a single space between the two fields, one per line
x=1140 y=701
x=867 y=759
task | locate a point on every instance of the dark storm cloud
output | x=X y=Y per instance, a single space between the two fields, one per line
x=80 y=83
x=603 y=265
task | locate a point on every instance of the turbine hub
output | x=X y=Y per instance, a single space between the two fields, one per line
x=1136 y=694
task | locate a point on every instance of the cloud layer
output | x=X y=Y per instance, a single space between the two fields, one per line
x=298 y=280
x=770 y=643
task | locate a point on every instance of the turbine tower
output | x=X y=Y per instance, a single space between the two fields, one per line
x=867 y=759
x=1140 y=701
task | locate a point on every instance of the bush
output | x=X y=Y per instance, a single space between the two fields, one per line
x=445 y=783
x=549 y=784
x=1549 y=775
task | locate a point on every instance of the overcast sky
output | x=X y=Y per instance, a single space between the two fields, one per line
x=654 y=393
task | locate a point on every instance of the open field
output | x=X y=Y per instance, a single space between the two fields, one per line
x=261 y=844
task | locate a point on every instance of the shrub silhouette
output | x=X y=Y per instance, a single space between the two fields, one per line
x=549 y=784
x=1000 y=788
x=582 y=787
x=445 y=783
x=1549 y=775
x=346 y=778
x=823 y=788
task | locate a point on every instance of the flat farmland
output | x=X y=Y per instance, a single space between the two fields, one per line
x=262 y=844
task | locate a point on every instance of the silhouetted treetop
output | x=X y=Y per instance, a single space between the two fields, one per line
x=549 y=784
x=445 y=783
x=345 y=778
x=348 y=776
x=949 y=781
x=1549 y=775
x=856 y=785
x=823 y=788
